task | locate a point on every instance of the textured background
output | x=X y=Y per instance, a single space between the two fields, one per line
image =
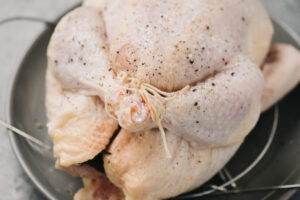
x=16 y=38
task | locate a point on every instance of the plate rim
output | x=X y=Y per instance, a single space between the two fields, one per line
x=13 y=137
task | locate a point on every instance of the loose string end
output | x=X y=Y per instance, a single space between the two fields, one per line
x=25 y=135
x=163 y=135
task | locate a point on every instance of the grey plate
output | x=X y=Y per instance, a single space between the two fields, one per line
x=27 y=109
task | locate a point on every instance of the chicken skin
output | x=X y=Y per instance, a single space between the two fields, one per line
x=185 y=80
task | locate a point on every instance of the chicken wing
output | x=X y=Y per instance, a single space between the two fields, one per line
x=78 y=125
x=281 y=72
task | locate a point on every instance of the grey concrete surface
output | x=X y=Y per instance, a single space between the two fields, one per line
x=16 y=38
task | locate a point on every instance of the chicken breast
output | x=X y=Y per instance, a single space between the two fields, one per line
x=171 y=44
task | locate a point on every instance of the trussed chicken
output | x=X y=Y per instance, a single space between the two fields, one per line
x=181 y=78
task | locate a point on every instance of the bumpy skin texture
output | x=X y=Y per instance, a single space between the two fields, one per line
x=78 y=125
x=101 y=58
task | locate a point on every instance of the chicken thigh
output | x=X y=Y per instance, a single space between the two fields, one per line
x=188 y=71
x=138 y=165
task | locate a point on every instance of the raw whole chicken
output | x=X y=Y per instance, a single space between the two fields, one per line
x=185 y=81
